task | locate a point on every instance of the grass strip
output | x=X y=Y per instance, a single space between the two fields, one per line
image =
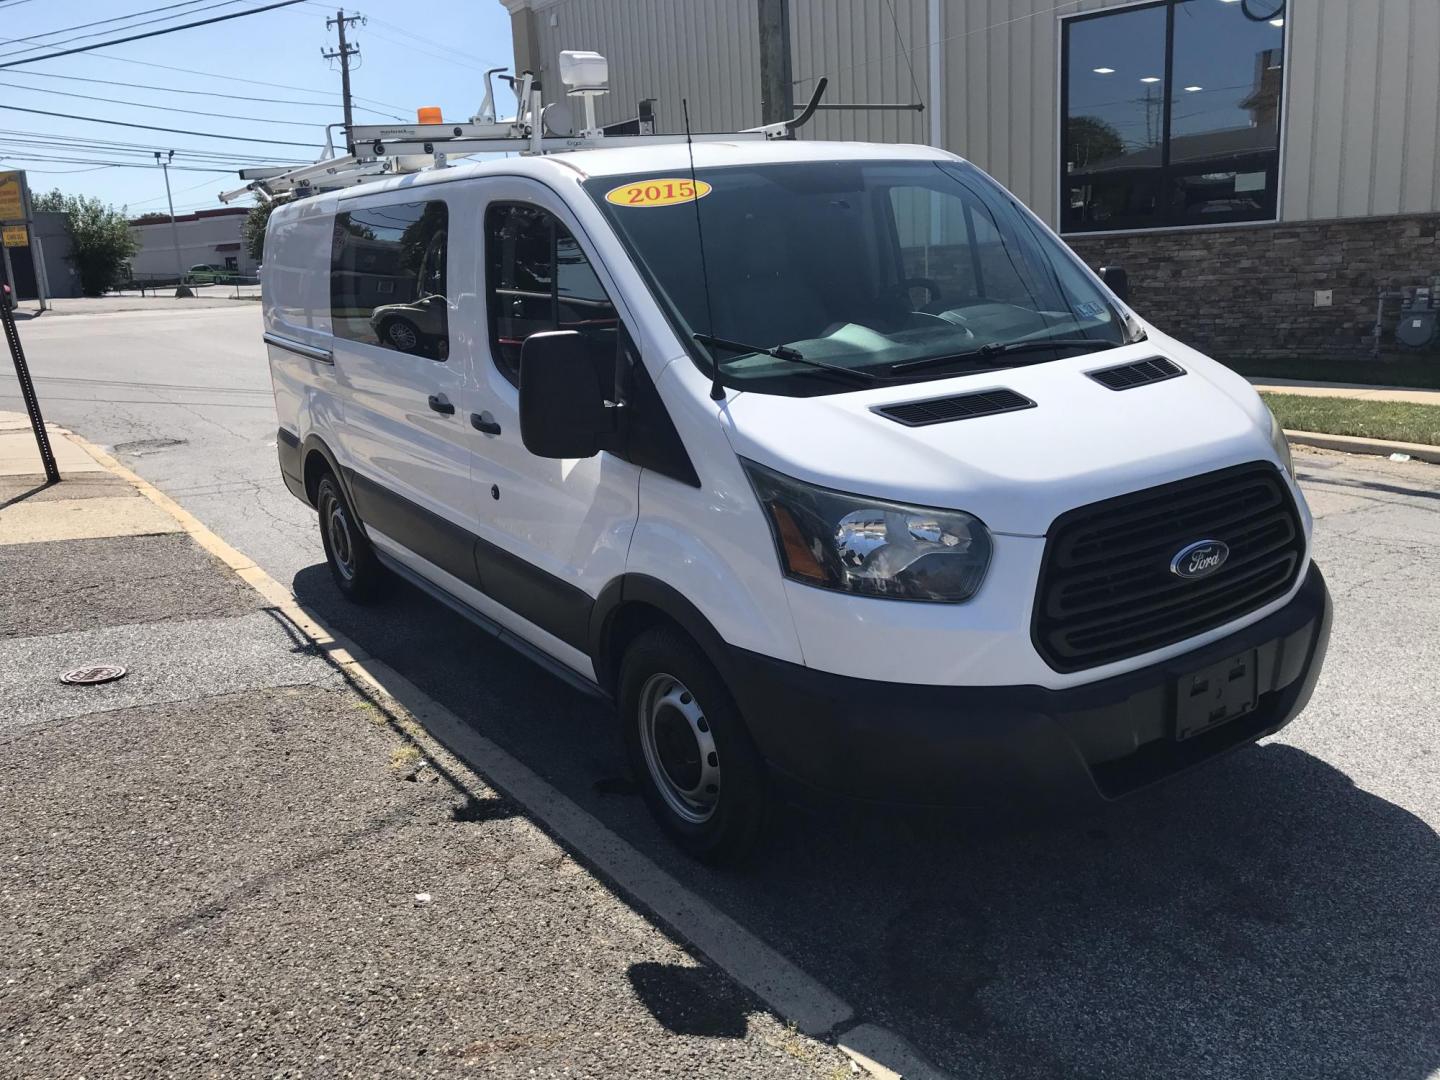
x=1400 y=421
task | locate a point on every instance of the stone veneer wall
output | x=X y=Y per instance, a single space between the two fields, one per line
x=1249 y=291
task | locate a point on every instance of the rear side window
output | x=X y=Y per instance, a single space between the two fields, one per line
x=539 y=279
x=387 y=278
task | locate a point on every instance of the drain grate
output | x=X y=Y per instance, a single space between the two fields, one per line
x=89 y=676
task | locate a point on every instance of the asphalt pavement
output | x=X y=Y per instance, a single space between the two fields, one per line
x=1274 y=915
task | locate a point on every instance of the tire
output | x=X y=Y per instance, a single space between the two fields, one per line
x=401 y=335
x=682 y=733
x=357 y=572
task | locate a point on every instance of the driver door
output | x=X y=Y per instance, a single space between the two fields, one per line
x=553 y=532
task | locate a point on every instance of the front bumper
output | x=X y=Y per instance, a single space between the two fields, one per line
x=1021 y=746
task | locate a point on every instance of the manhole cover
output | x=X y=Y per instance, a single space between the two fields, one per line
x=89 y=676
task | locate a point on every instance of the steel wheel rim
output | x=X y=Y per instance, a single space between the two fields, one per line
x=679 y=749
x=337 y=530
x=402 y=336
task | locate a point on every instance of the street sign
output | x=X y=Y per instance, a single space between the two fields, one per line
x=16 y=236
x=12 y=198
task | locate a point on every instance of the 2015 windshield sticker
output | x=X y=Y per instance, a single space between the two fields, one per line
x=666 y=191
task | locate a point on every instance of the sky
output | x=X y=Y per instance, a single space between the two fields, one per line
x=412 y=53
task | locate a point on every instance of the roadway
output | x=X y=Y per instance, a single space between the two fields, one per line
x=1275 y=915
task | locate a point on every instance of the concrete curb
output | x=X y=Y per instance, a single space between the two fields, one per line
x=1351 y=444
x=784 y=987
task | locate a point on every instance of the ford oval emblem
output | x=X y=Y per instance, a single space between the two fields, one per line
x=1200 y=559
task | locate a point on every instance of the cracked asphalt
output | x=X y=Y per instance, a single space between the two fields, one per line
x=1275 y=915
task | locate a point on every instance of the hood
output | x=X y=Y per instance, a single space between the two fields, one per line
x=1016 y=471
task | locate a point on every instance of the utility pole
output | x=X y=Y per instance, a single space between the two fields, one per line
x=180 y=289
x=343 y=54
x=777 y=88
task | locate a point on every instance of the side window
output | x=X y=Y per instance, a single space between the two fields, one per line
x=387 y=278
x=538 y=279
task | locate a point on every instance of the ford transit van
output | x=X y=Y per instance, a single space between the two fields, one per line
x=827 y=463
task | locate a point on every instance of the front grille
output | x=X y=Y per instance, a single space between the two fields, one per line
x=1140 y=373
x=959 y=407
x=1106 y=590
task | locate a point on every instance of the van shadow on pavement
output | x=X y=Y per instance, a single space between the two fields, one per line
x=1259 y=917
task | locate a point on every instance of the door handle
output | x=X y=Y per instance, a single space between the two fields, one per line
x=442 y=406
x=484 y=423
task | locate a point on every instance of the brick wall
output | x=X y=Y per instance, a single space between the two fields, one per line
x=1248 y=292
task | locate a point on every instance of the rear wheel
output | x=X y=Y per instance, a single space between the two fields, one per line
x=353 y=565
x=698 y=770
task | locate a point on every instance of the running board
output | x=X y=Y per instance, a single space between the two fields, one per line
x=494 y=629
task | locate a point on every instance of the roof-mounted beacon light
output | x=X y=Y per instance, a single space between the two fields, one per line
x=585 y=75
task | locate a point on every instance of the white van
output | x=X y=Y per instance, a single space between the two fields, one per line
x=844 y=471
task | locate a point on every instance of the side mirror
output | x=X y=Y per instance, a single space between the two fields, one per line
x=565 y=386
x=1118 y=280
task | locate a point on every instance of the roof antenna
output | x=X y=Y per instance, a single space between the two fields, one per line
x=717 y=388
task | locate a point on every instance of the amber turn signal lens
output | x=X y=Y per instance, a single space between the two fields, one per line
x=799 y=559
x=429 y=114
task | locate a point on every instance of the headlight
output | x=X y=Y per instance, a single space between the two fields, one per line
x=1281 y=445
x=851 y=543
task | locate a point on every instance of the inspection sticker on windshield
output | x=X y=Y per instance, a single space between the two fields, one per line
x=667 y=191
x=1090 y=309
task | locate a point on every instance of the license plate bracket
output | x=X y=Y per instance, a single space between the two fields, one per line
x=1215 y=695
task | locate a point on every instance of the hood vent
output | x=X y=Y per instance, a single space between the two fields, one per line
x=960 y=407
x=1140 y=373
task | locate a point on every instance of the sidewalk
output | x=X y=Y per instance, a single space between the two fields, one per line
x=237 y=860
x=208 y=297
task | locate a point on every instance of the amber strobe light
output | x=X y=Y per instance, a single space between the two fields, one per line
x=429 y=114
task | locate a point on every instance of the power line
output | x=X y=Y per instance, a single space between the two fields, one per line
x=164 y=108
x=151 y=127
x=111 y=164
x=177 y=90
x=68 y=144
x=153 y=33
x=468 y=59
x=117 y=18
x=36 y=149
x=252 y=82
x=99 y=22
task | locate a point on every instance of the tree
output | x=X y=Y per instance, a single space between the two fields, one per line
x=150 y=218
x=100 y=239
x=1093 y=141
x=51 y=201
x=252 y=232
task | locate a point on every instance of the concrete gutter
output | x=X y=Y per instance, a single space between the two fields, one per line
x=1350 y=444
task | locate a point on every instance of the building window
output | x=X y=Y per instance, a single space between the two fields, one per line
x=1171 y=114
x=387 y=278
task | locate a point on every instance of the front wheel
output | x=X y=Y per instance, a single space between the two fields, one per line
x=699 y=772
x=353 y=565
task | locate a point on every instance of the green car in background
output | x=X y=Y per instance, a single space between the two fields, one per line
x=209 y=274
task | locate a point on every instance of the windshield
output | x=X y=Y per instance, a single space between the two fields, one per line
x=867 y=266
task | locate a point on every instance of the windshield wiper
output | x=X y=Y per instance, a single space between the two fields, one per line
x=1002 y=349
x=781 y=352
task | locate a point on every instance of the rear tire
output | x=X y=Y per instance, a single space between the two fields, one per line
x=683 y=734
x=357 y=572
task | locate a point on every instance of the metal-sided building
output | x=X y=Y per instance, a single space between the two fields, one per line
x=1265 y=169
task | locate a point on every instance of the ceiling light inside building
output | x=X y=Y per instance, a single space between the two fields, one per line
x=1104 y=71
x=1150 y=79
x=1277 y=22
x=1193 y=89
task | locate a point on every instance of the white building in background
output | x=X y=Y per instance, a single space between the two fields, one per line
x=206 y=236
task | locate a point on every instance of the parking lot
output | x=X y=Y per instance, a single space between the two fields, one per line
x=1274 y=915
